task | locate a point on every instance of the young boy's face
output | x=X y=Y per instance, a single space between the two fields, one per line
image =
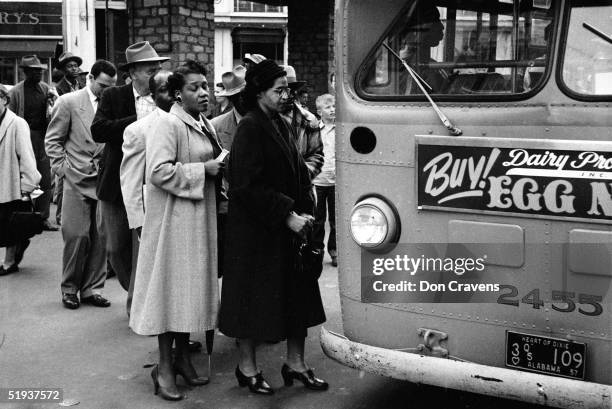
x=328 y=111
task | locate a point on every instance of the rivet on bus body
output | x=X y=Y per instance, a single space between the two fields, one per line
x=357 y=357
x=430 y=131
x=547 y=129
x=484 y=134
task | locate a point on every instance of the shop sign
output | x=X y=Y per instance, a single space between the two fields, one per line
x=30 y=18
x=550 y=179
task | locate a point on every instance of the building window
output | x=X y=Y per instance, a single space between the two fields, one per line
x=253 y=7
x=266 y=41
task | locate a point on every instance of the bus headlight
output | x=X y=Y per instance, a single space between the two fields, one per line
x=374 y=224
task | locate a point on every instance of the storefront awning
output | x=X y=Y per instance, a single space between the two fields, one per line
x=258 y=35
x=14 y=48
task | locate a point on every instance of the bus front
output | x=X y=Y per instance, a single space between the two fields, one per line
x=474 y=195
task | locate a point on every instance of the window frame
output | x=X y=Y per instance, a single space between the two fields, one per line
x=559 y=71
x=362 y=70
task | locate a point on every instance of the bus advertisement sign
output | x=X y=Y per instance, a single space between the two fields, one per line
x=550 y=179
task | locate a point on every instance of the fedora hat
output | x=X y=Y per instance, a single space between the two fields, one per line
x=292 y=81
x=141 y=52
x=66 y=57
x=32 y=61
x=233 y=84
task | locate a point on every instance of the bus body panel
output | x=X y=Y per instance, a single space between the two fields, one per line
x=476 y=332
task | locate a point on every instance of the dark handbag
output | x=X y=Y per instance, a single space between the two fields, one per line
x=309 y=260
x=19 y=222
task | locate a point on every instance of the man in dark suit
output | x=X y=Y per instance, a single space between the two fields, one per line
x=119 y=107
x=72 y=81
x=31 y=99
x=75 y=157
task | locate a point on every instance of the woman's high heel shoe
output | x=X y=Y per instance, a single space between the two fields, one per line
x=307 y=378
x=197 y=381
x=163 y=391
x=256 y=384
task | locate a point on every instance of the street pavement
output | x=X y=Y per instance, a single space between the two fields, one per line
x=100 y=363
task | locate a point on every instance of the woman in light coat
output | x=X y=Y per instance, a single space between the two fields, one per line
x=176 y=289
x=18 y=170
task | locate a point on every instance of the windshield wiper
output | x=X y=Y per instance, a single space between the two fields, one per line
x=421 y=83
x=598 y=32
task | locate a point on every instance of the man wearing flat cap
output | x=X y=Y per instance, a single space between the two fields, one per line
x=31 y=99
x=72 y=81
x=118 y=108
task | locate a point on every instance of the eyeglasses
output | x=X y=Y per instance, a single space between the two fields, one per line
x=284 y=91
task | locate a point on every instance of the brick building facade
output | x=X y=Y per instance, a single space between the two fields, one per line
x=179 y=29
x=183 y=29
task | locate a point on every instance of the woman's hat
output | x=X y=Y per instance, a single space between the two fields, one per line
x=66 y=57
x=32 y=61
x=265 y=71
x=254 y=58
x=292 y=81
x=140 y=52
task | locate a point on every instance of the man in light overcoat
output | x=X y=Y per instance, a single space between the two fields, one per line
x=75 y=157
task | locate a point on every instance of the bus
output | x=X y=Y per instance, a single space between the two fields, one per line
x=474 y=195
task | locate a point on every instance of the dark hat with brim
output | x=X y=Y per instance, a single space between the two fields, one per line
x=265 y=71
x=32 y=61
x=141 y=52
x=66 y=57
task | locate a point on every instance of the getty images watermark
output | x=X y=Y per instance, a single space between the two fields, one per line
x=502 y=273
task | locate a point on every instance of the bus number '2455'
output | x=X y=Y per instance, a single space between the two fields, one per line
x=562 y=301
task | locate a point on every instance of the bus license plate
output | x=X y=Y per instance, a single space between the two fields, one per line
x=549 y=356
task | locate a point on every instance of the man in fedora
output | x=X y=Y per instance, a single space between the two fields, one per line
x=118 y=108
x=222 y=104
x=72 y=81
x=75 y=157
x=305 y=125
x=226 y=124
x=31 y=99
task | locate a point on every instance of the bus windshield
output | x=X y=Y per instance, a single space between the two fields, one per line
x=587 y=64
x=463 y=48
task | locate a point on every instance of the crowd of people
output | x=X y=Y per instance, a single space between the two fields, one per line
x=172 y=200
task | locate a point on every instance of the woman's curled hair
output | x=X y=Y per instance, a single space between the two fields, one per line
x=176 y=80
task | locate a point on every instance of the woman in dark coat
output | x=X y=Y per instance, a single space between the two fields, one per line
x=270 y=206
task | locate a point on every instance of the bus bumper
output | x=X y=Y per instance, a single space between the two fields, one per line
x=467 y=376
